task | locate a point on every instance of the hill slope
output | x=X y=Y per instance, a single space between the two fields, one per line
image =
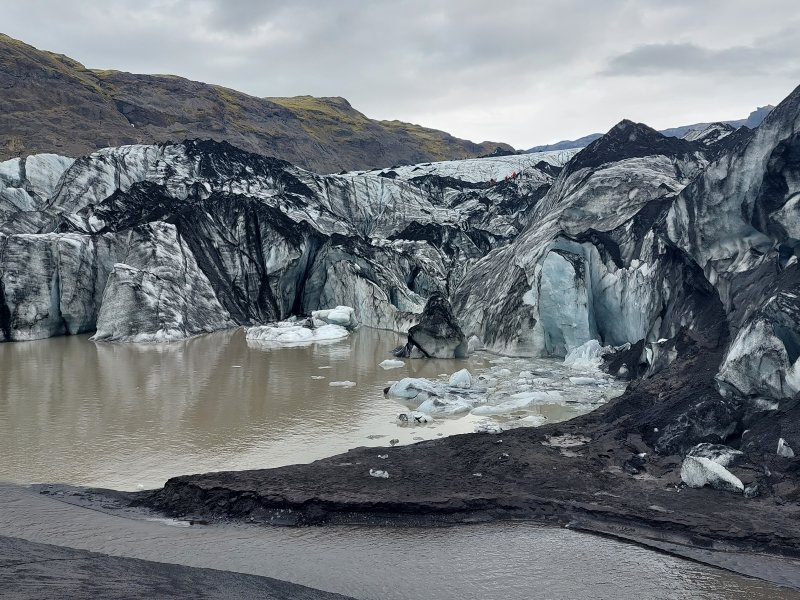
x=51 y=103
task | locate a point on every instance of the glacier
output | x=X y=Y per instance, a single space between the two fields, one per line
x=632 y=254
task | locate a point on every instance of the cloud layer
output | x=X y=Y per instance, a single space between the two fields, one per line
x=517 y=71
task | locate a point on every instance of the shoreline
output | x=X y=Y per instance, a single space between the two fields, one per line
x=600 y=470
x=763 y=563
x=31 y=570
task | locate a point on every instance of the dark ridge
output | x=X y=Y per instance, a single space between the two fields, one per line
x=433 y=233
x=546 y=167
x=785 y=112
x=193 y=224
x=731 y=143
x=628 y=140
x=782 y=172
x=604 y=242
x=441 y=182
x=5 y=314
x=144 y=202
x=498 y=152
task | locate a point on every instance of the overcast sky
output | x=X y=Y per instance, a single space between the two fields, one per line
x=525 y=72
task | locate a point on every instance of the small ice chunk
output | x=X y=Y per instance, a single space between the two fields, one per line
x=383 y=456
x=508 y=406
x=414 y=417
x=411 y=387
x=317 y=377
x=586 y=357
x=698 y=471
x=487 y=427
x=343 y=316
x=346 y=384
x=329 y=332
x=583 y=381
x=461 y=379
x=446 y=406
x=390 y=363
x=378 y=473
x=784 y=449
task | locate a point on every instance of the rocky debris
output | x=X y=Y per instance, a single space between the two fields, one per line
x=437 y=335
x=698 y=471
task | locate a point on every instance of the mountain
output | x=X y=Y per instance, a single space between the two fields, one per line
x=753 y=120
x=52 y=103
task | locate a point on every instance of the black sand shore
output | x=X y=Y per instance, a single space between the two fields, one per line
x=35 y=571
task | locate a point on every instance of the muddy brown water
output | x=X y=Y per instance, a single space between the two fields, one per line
x=121 y=416
x=128 y=415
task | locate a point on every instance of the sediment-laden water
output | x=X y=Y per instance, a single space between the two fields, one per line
x=125 y=415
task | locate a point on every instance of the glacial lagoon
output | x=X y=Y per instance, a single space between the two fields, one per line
x=131 y=416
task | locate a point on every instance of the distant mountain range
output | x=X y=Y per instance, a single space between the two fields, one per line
x=52 y=103
x=753 y=120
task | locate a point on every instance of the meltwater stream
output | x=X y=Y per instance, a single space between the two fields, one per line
x=122 y=416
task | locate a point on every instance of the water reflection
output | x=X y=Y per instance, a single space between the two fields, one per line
x=120 y=415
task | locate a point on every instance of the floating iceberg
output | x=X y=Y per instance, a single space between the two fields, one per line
x=289 y=333
x=586 y=357
x=461 y=379
x=411 y=387
x=345 y=384
x=446 y=406
x=343 y=316
x=414 y=417
x=390 y=363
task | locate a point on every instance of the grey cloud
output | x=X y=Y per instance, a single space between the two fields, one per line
x=774 y=56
